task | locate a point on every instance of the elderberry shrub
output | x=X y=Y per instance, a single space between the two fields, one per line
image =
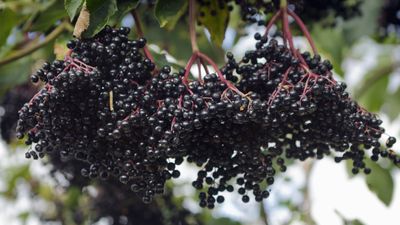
x=11 y=102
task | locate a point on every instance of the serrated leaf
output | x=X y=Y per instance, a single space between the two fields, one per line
x=8 y=21
x=380 y=182
x=100 y=11
x=124 y=6
x=215 y=19
x=72 y=7
x=169 y=12
x=49 y=16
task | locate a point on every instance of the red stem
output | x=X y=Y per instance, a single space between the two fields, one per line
x=188 y=67
x=272 y=22
x=139 y=31
x=204 y=66
x=286 y=30
x=218 y=71
x=192 y=25
x=199 y=71
x=304 y=29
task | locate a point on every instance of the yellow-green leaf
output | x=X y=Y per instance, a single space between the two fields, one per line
x=168 y=12
x=215 y=19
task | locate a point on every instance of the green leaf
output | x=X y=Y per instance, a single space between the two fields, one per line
x=372 y=93
x=160 y=58
x=72 y=198
x=331 y=44
x=365 y=24
x=124 y=7
x=49 y=16
x=168 y=12
x=380 y=182
x=13 y=174
x=9 y=19
x=215 y=19
x=391 y=106
x=72 y=7
x=23 y=216
x=15 y=73
x=100 y=12
x=347 y=221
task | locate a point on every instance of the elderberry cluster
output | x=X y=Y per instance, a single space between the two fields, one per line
x=84 y=96
x=108 y=106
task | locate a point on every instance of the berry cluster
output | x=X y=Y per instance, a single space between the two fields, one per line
x=106 y=105
x=84 y=101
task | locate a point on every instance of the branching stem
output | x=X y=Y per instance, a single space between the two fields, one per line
x=139 y=32
x=304 y=29
x=192 y=25
x=30 y=49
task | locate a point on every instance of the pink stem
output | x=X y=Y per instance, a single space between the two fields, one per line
x=188 y=67
x=304 y=29
x=272 y=22
x=286 y=30
x=218 y=71
x=199 y=71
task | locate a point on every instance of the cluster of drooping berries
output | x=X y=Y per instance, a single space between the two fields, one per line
x=11 y=102
x=389 y=19
x=311 y=10
x=106 y=106
x=85 y=99
x=310 y=113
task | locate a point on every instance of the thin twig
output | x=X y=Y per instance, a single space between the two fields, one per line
x=139 y=31
x=304 y=29
x=30 y=49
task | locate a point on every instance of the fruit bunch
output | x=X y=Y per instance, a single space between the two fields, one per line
x=109 y=106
